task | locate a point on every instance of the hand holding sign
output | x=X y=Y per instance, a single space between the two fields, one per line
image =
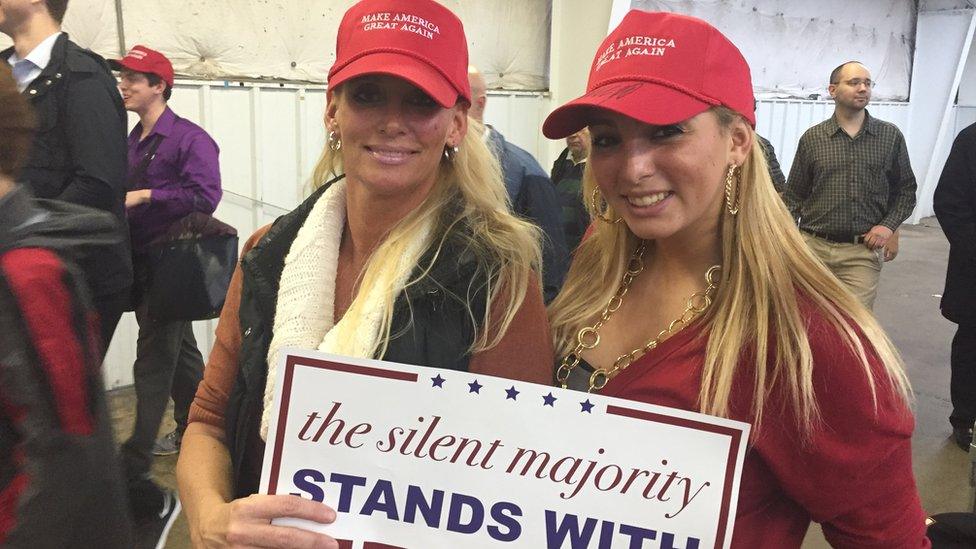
x=420 y=457
x=247 y=522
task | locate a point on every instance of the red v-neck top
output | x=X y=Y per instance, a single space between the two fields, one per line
x=854 y=476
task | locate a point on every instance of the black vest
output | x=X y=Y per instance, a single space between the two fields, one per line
x=435 y=321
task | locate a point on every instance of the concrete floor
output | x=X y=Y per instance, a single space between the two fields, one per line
x=908 y=306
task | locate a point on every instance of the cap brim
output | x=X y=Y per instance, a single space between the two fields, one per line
x=131 y=64
x=647 y=102
x=134 y=65
x=412 y=70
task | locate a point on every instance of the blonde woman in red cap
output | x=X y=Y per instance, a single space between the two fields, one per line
x=695 y=291
x=406 y=252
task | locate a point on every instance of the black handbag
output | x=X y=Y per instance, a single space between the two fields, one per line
x=952 y=531
x=191 y=266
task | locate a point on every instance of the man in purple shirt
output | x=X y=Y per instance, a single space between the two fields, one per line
x=173 y=171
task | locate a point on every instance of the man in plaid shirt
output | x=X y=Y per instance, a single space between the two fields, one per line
x=851 y=184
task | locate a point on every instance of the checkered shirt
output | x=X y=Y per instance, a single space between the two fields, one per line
x=845 y=185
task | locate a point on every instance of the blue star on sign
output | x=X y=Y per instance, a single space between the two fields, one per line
x=475 y=387
x=512 y=393
x=587 y=406
x=438 y=381
x=549 y=400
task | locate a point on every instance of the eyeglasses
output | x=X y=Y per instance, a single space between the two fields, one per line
x=855 y=82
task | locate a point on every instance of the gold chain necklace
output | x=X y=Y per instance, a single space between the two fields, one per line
x=589 y=336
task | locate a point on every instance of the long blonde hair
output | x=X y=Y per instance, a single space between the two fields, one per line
x=469 y=201
x=766 y=268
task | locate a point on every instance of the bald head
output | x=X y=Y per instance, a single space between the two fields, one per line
x=850 y=87
x=479 y=89
x=838 y=72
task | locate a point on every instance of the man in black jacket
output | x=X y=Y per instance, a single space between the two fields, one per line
x=79 y=152
x=955 y=207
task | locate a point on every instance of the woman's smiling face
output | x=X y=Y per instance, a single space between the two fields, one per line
x=664 y=180
x=393 y=134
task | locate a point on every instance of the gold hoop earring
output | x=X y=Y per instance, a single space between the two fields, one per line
x=335 y=142
x=733 y=186
x=598 y=211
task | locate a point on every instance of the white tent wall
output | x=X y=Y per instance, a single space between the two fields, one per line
x=966 y=97
x=578 y=27
x=287 y=40
x=943 y=43
x=792 y=46
x=295 y=41
x=963 y=112
x=91 y=23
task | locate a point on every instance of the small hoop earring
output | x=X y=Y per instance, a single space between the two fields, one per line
x=335 y=142
x=733 y=186
x=599 y=211
x=450 y=153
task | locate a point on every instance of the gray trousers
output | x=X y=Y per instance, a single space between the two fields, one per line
x=168 y=363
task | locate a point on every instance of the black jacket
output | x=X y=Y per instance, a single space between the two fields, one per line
x=79 y=154
x=775 y=172
x=955 y=207
x=432 y=326
x=567 y=179
x=57 y=457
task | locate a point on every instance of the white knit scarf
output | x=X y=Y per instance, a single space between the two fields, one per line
x=305 y=311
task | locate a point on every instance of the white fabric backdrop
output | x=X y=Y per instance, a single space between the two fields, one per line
x=295 y=41
x=288 y=40
x=792 y=46
x=91 y=24
x=943 y=37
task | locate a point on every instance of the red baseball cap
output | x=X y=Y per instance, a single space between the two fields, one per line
x=419 y=41
x=143 y=59
x=660 y=68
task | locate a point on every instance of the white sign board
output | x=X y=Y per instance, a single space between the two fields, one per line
x=420 y=457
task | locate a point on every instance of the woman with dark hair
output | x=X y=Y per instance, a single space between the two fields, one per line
x=696 y=291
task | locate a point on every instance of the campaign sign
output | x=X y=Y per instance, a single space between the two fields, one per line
x=420 y=458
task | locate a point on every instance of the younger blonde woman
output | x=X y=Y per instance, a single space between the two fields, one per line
x=695 y=291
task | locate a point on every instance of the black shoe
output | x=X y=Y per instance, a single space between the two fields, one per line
x=152 y=534
x=963 y=437
x=146 y=499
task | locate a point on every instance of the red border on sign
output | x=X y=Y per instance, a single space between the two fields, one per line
x=736 y=439
x=290 y=363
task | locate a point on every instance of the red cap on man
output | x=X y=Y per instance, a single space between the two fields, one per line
x=660 y=68
x=419 y=41
x=143 y=59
